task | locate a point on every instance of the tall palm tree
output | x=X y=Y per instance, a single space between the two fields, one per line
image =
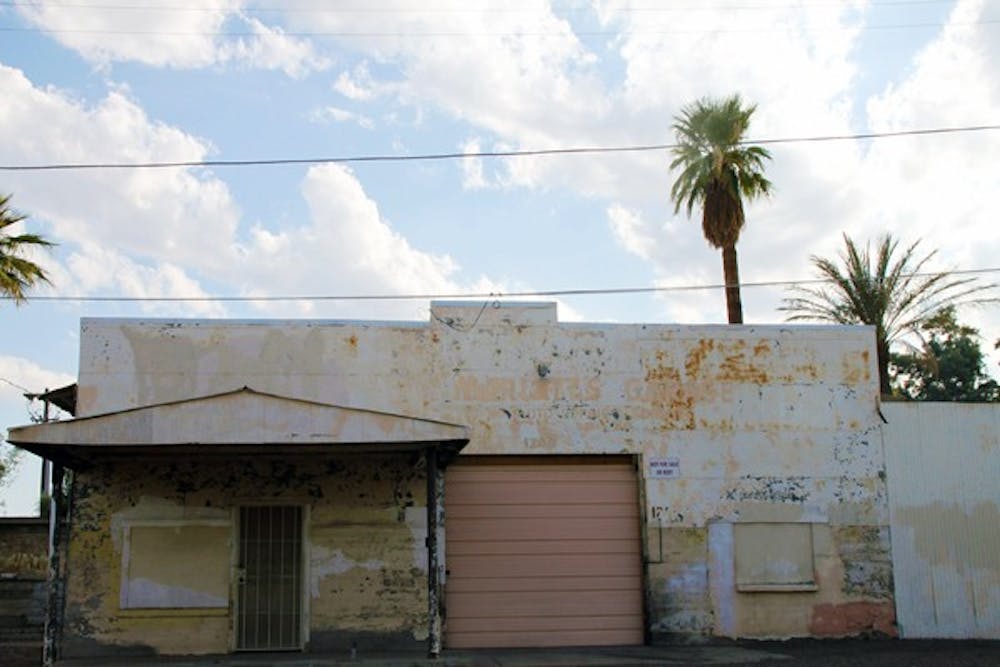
x=894 y=293
x=17 y=274
x=718 y=171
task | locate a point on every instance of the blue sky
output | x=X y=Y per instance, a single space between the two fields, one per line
x=117 y=81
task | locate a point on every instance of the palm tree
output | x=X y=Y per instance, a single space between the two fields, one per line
x=718 y=171
x=894 y=293
x=17 y=274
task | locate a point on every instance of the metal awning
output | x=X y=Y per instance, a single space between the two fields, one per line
x=63 y=398
x=240 y=422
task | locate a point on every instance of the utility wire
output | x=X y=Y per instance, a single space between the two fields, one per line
x=458 y=9
x=490 y=296
x=440 y=34
x=473 y=155
x=15 y=385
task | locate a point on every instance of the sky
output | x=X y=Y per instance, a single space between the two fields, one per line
x=123 y=81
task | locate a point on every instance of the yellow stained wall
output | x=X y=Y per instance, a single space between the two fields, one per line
x=366 y=573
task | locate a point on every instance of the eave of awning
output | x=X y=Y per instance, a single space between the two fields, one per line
x=241 y=422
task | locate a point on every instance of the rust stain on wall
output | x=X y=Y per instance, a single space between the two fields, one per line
x=737 y=368
x=853 y=618
x=697 y=355
x=662 y=371
x=856 y=370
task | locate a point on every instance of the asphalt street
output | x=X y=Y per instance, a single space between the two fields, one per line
x=793 y=653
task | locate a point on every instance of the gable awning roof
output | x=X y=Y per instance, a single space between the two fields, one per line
x=244 y=421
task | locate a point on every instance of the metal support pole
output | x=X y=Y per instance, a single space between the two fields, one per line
x=433 y=574
x=44 y=488
x=50 y=646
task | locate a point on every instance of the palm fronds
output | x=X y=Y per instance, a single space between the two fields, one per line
x=18 y=274
x=717 y=171
x=890 y=289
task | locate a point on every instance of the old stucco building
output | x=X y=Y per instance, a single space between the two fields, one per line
x=243 y=485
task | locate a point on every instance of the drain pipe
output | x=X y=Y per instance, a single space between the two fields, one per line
x=433 y=565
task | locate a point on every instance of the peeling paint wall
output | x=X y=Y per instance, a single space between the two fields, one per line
x=24 y=548
x=364 y=578
x=23 y=574
x=943 y=463
x=756 y=423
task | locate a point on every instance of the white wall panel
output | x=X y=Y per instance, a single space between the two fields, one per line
x=943 y=465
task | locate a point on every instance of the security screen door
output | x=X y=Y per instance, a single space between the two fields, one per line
x=269 y=579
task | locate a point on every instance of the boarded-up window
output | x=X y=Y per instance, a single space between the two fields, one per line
x=176 y=565
x=774 y=556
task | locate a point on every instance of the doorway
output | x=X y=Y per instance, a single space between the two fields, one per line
x=269 y=579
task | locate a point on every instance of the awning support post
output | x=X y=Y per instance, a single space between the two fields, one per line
x=433 y=564
x=50 y=645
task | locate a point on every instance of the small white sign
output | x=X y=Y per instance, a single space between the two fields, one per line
x=665 y=468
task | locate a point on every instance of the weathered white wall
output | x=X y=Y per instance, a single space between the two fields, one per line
x=762 y=423
x=943 y=463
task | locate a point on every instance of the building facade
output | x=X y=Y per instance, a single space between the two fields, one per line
x=491 y=477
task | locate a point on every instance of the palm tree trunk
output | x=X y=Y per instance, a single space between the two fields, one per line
x=882 y=350
x=731 y=271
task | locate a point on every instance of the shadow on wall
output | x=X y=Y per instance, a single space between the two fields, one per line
x=23 y=568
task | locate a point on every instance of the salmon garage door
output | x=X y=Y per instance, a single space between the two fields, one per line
x=541 y=552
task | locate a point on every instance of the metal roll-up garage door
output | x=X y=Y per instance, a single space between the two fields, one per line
x=542 y=551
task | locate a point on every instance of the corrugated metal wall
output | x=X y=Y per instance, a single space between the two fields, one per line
x=943 y=466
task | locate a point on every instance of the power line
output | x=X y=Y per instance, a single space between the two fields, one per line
x=442 y=34
x=15 y=385
x=590 y=150
x=320 y=9
x=491 y=296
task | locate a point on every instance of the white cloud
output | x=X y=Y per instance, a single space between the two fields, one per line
x=345 y=248
x=168 y=233
x=19 y=490
x=942 y=188
x=522 y=75
x=943 y=184
x=921 y=187
x=525 y=80
x=101 y=270
x=529 y=81
x=631 y=231
x=337 y=115
x=173 y=37
x=143 y=223
x=472 y=167
x=358 y=84
x=20 y=374
x=271 y=49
